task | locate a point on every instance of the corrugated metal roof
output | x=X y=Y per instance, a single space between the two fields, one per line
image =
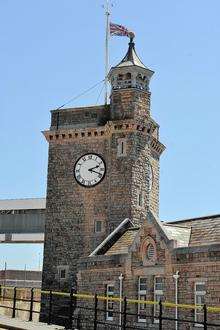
x=23 y=204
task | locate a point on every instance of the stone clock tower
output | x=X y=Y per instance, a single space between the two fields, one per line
x=103 y=167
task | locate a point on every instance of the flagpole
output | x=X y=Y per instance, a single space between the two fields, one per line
x=107 y=13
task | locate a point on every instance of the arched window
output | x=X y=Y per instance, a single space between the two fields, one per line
x=150 y=253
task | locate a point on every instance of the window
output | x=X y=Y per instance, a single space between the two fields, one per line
x=98 y=226
x=109 y=302
x=140 y=197
x=158 y=295
x=149 y=176
x=199 y=300
x=121 y=149
x=142 y=293
x=150 y=252
x=63 y=272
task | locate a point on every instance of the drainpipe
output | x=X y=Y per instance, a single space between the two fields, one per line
x=120 y=296
x=176 y=277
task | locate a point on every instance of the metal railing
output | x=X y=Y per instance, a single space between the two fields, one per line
x=81 y=309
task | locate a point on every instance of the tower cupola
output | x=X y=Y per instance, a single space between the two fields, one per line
x=130 y=72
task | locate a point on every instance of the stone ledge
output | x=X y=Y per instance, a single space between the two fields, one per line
x=197 y=249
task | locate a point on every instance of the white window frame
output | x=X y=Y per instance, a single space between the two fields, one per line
x=157 y=293
x=98 y=231
x=109 y=302
x=198 y=311
x=141 y=294
x=121 y=147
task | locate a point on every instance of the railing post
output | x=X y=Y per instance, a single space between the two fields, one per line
x=71 y=308
x=31 y=305
x=95 y=311
x=14 y=303
x=205 y=317
x=160 y=314
x=50 y=307
x=78 y=321
x=124 y=314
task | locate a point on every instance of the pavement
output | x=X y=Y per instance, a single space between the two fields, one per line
x=17 y=324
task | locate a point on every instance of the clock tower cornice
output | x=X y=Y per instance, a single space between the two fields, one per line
x=68 y=135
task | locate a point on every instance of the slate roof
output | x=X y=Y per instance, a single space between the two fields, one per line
x=131 y=58
x=204 y=230
x=23 y=204
x=122 y=245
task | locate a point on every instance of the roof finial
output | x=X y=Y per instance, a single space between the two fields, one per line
x=131 y=36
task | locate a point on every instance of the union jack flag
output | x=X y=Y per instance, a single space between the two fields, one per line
x=119 y=30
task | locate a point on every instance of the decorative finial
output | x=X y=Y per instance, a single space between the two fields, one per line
x=131 y=36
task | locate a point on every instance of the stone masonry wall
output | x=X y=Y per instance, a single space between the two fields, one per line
x=72 y=210
x=130 y=104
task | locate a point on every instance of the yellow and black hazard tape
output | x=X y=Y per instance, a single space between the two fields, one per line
x=117 y=299
x=213 y=309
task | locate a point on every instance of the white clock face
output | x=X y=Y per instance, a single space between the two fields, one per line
x=149 y=176
x=89 y=170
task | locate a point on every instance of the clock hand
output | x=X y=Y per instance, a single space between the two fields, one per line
x=92 y=168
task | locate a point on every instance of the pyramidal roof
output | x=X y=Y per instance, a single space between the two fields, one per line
x=131 y=58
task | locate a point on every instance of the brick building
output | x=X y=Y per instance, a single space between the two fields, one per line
x=102 y=214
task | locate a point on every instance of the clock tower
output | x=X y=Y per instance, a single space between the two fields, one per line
x=103 y=167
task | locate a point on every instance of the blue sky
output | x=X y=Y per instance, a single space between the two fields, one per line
x=53 y=50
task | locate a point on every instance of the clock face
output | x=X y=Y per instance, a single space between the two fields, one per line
x=149 y=176
x=89 y=170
